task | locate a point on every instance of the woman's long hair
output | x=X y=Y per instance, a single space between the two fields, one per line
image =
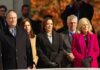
x=31 y=34
x=82 y=21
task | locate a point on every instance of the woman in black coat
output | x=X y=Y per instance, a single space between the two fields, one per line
x=49 y=46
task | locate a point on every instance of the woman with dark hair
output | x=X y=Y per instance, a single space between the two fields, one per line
x=49 y=46
x=27 y=26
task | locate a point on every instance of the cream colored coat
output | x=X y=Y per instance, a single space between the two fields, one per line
x=34 y=50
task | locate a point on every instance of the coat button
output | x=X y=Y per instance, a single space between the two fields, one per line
x=16 y=50
x=1 y=55
x=16 y=58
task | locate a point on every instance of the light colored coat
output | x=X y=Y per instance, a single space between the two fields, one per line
x=34 y=50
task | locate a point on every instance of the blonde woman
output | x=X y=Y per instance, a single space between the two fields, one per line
x=85 y=45
x=27 y=26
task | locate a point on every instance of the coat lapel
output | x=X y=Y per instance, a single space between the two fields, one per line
x=54 y=39
x=67 y=39
x=9 y=33
x=90 y=43
x=82 y=43
x=89 y=40
x=9 y=37
x=18 y=35
x=46 y=39
x=86 y=49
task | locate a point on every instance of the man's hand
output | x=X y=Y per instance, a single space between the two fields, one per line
x=70 y=56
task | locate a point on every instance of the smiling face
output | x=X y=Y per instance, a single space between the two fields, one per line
x=11 y=19
x=72 y=24
x=85 y=27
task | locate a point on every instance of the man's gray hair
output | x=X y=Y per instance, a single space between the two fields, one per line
x=70 y=17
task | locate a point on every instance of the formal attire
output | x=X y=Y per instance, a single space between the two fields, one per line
x=34 y=49
x=67 y=40
x=49 y=50
x=84 y=10
x=1 y=66
x=82 y=49
x=2 y=23
x=15 y=50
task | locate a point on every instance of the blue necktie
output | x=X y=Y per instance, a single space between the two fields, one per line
x=13 y=32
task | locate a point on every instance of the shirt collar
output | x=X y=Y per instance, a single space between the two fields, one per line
x=71 y=32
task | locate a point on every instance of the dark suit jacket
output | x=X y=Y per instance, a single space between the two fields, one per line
x=1 y=66
x=2 y=23
x=67 y=41
x=86 y=10
x=48 y=52
x=66 y=48
x=16 y=51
